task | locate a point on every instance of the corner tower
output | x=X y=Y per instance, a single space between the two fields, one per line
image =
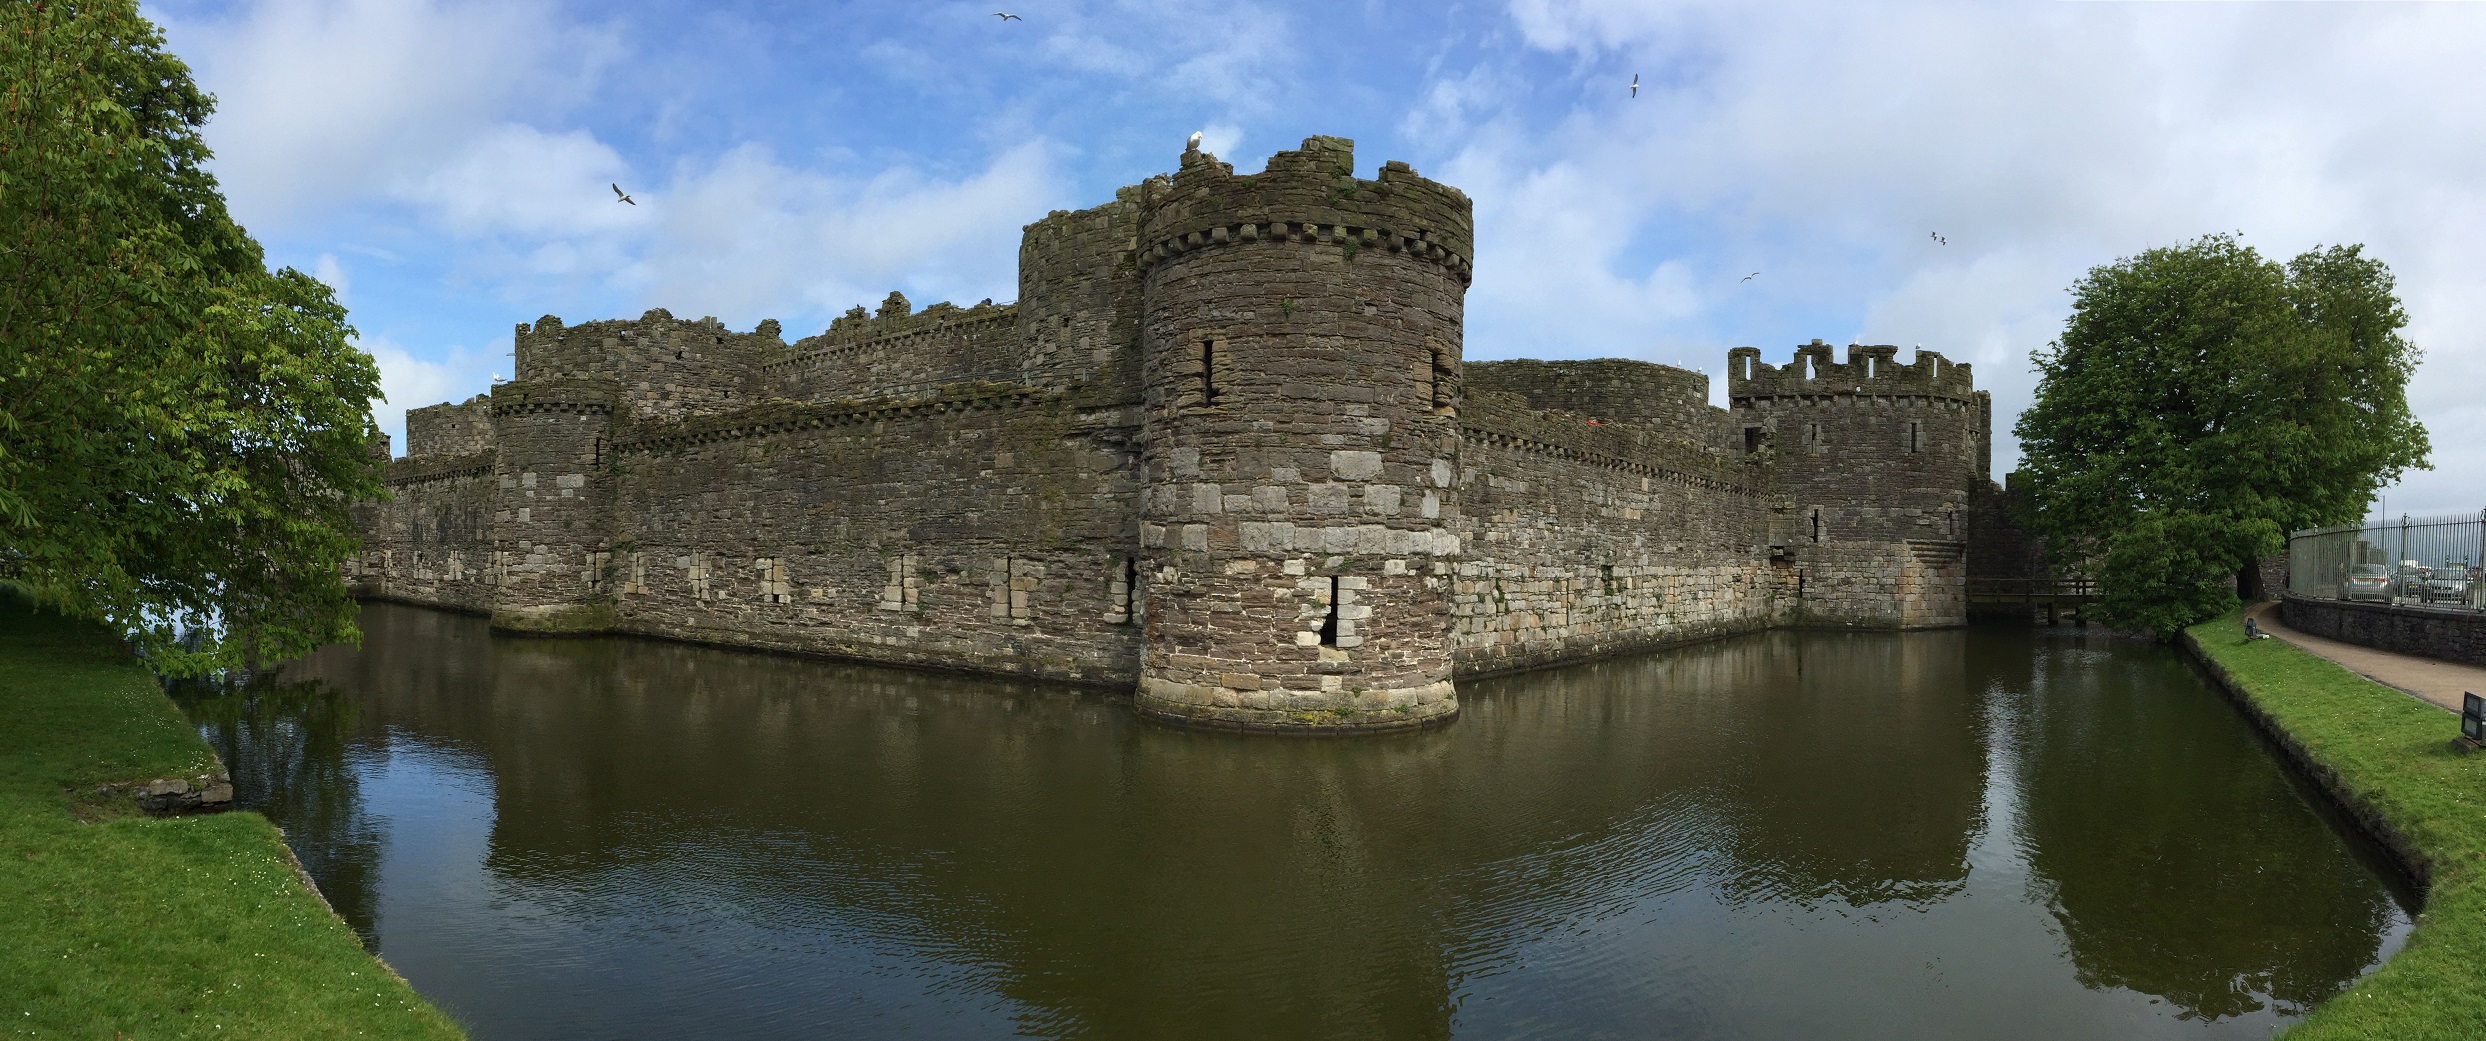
x=1871 y=465
x=1301 y=332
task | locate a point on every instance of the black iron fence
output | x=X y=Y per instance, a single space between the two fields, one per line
x=2428 y=561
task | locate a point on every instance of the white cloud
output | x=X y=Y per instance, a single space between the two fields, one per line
x=408 y=382
x=1222 y=140
x=1820 y=144
x=328 y=271
x=516 y=179
x=747 y=234
x=323 y=101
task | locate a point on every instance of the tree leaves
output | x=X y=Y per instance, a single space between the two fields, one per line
x=2203 y=402
x=180 y=429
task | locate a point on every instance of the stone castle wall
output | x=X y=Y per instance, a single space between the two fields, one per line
x=1223 y=451
x=1610 y=390
x=1296 y=551
x=1872 y=463
x=987 y=530
x=1581 y=540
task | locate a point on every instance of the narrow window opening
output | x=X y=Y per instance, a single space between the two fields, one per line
x=1816 y=523
x=1208 y=372
x=1915 y=435
x=1812 y=435
x=1130 y=589
x=1752 y=440
x=596 y=454
x=1329 y=625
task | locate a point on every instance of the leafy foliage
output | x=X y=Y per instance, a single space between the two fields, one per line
x=2202 y=403
x=181 y=430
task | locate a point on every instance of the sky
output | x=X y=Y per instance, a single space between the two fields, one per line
x=444 y=164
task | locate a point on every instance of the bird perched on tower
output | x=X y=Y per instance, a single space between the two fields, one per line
x=1194 y=144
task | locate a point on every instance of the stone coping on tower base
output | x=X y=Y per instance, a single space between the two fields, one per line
x=1411 y=708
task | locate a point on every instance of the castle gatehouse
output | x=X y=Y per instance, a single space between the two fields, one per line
x=1223 y=452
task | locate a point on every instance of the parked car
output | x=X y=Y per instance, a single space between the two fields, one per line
x=2406 y=578
x=2366 y=582
x=2446 y=584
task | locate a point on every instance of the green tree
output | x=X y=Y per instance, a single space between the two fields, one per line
x=2202 y=403
x=181 y=430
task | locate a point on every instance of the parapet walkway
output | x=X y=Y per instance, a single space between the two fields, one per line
x=2437 y=682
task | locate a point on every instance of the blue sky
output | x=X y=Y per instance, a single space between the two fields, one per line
x=443 y=163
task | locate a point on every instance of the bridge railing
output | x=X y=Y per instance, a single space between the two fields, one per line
x=2032 y=589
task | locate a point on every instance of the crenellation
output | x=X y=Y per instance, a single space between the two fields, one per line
x=1222 y=452
x=1871 y=372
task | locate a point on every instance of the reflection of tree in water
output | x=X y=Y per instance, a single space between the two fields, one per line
x=2185 y=866
x=286 y=744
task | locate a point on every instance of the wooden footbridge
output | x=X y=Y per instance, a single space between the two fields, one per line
x=2058 y=599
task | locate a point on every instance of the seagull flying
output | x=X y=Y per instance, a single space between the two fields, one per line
x=1635 y=84
x=1750 y=277
x=1194 y=144
x=1007 y=17
x=619 y=197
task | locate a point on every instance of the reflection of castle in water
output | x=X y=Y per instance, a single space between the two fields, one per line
x=1110 y=877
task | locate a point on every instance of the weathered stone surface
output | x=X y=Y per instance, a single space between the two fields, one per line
x=2431 y=632
x=1223 y=452
x=173 y=796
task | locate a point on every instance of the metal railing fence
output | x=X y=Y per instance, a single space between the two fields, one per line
x=2429 y=561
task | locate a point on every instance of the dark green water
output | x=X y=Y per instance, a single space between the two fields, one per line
x=1968 y=834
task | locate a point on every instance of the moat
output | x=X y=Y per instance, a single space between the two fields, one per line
x=1989 y=832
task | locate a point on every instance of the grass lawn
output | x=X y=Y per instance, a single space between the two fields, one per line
x=114 y=924
x=2392 y=757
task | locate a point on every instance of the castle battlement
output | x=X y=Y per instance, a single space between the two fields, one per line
x=1870 y=370
x=1310 y=196
x=1223 y=452
x=857 y=331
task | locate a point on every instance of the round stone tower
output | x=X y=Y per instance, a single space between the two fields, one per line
x=1301 y=334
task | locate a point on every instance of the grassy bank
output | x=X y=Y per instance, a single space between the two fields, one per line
x=2389 y=757
x=119 y=924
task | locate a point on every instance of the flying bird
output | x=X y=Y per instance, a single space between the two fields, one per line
x=1008 y=17
x=619 y=197
x=1635 y=84
x=1938 y=239
x=1750 y=277
x=1194 y=144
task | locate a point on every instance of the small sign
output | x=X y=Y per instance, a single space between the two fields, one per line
x=2473 y=717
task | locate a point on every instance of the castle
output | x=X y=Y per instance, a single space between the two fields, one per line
x=1223 y=452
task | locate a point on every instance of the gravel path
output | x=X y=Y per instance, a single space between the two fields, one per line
x=2437 y=682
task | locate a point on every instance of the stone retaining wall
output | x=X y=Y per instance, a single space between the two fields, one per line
x=2430 y=632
